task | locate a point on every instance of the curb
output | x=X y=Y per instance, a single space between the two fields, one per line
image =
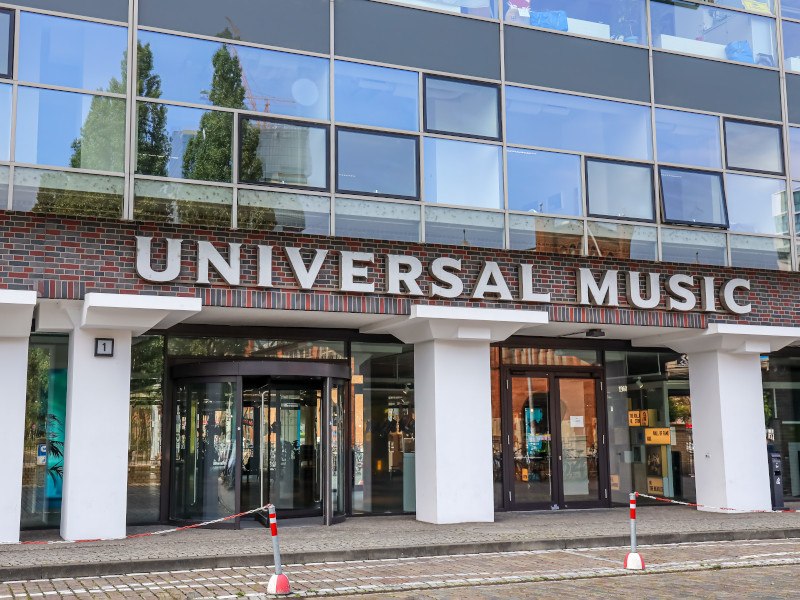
x=290 y=558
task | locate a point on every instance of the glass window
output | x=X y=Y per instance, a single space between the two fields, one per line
x=543 y=234
x=458 y=227
x=791 y=44
x=794 y=151
x=613 y=240
x=693 y=197
x=383 y=428
x=620 y=190
x=274 y=211
x=564 y=122
x=6 y=42
x=66 y=129
x=67 y=193
x=756 y=204
x=374 y=163
x=144 y=448
x=463 y=173
x=283 y=153
x=45 y=430
x=480 y=8
x=5 y=173
x=189 y=143
x=170 y=202
x=753 y=147
x=621 y=20
x=461 y=107
x=760 y=253
x=5 y=121
x=763 y=7
x=796 y=201
x=256 y=348
x=376 y=96
x=544 y=182
x=687 y=138
x=695 y=247
x=212 y=73
x=713 y=32
x=377 y=220
x=790 y=8
x=72 y=53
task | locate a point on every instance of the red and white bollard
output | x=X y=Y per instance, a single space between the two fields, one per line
x=278 y=583
x=633 y=560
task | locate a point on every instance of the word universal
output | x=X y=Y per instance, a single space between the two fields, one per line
x=356 y=272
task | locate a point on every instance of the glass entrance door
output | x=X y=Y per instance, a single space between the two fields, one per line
x=553 y=454
x=335 y=469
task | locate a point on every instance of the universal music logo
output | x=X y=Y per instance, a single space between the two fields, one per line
x=356 y=273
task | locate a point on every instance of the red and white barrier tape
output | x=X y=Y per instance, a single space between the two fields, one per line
x=695 y=505
x=145 y=534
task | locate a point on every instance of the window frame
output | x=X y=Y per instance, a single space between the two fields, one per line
x=495 y=86
x=418 y=177
x=667 y=221
x=324 y=127
x=11 y=30
x=728 y=167
x=590 y=213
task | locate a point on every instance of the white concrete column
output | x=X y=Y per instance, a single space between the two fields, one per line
x=452 y=395
x=16 y=312
x=728 y=432
x=94 y=499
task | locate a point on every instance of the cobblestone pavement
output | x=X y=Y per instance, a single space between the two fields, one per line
x=710 y=569
x=299 y=538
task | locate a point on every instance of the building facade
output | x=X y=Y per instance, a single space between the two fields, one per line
x=353 y=257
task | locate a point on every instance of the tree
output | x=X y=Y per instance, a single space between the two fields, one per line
x=154 y=145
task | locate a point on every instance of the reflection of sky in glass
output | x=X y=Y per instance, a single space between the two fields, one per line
x=461 y=107
x=181 y=126
x=5 y=30
x=692 y=197
x=544 y=182
x=756 y=204
x=794 y=151
x=617 y=190
x=687 y=138
x=5 y=121
x=753 y=147
x=276 y=82
x=377 y=96
x=564 y=122
x=71 y=53
x=791 y=45
x=463 y=173
x=48 y=122
x=376 y=164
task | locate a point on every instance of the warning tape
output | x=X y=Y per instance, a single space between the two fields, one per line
x=141 y=535
x=695 y=505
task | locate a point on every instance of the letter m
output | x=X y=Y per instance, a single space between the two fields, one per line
x=606 y=293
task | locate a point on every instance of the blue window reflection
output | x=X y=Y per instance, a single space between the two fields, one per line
x=794 y=152
x=619 y=190
x=6 y=34
x=565 y=122
x=66 y=129
x=713 y=32
x=756 y=204
x=693 y=197
x=72 y=53
x=462 y=107
x=463 y=173
x=376 y=96
x=544 y=182
x=790 y=8
x=192 y=70
x=687 y=138
x=5 y=122
x=621 y=20
x=791 y=45
x=479 y=8
x=377 y=164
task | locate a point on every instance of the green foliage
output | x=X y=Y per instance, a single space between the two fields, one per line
x=154 y=144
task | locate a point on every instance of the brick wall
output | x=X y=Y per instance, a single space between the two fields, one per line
x=66 y=258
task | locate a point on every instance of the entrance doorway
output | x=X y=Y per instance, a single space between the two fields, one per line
x=258 y=432
x=553 y=450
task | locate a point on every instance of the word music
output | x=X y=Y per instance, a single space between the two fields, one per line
x=356 y=273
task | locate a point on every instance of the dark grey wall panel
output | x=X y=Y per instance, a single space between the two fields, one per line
x=100 y=9
x=715 y=86
x=793 y=97
x=417 y=38
x=570 y=63
x=298 y=24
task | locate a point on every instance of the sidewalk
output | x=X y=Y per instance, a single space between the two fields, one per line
x=383 y=537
